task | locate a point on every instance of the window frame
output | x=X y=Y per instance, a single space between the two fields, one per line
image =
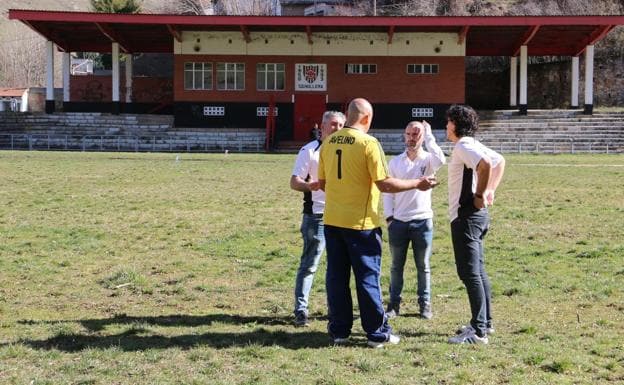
x=265 y=73
x=359 y=68
x=202 y=71
x=226 y=72
x=422 y=68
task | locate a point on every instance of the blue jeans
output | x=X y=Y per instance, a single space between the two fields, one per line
x=361 y=251
x=313 y=245
x=420 y=233
x=467 y=232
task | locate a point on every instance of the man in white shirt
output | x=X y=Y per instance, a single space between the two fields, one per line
x=410 y=217
x=474 y=173
x=305 y=179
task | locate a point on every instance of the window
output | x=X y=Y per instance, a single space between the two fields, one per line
x=351 y=68
x=197 y=76
x=422 y=112
x=422 y=69
x=270 y=76
x=230 y=76
x=214 y=111
x=264 y=111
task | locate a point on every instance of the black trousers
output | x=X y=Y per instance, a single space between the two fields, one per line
x=467 y=232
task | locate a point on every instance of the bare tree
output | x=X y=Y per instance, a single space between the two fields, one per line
x=219 y=7
x=246 y=7
x=186 y=7
x=411 y=8
x=490 y=8
x=22 y=57
x=596 y=7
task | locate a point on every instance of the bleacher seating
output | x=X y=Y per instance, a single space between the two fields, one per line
x=553 y=131
x=540 y=131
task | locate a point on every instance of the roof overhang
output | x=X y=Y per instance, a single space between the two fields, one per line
x=483 y=35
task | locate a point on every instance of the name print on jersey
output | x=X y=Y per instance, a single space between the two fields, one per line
x=339 y=139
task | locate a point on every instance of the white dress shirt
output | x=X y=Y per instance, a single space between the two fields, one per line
x=413 y=204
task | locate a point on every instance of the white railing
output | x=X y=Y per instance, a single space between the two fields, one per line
x=558 y=147
x=142 y=143
x=199 y=143
x=541 y=147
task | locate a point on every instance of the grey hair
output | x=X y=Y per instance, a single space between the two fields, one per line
x=329 y=114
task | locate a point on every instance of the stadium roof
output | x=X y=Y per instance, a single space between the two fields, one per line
x=484 y=35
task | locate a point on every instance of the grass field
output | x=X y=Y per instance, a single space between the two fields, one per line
x=121 y=268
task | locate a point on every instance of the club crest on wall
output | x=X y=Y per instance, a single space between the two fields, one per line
x=310 y=77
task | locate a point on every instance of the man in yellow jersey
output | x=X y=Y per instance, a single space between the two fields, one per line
x=352 y=171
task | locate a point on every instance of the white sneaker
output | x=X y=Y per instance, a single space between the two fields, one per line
x=488 y=331
x=468 y=336
x=392 y=339
x=341 y=341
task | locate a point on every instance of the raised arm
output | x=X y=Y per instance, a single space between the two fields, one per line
x=437 y=156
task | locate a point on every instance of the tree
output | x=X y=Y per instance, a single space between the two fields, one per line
x=246 y=7
x=22 y=57
x=221 y=7
x=187 y=7
x=116 y=6
x=104 y=61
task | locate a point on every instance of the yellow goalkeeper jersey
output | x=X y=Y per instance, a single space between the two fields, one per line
x=350 y=163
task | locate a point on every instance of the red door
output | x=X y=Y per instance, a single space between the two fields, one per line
x=309 y=109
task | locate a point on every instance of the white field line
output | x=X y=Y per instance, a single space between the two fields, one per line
x=564 y=165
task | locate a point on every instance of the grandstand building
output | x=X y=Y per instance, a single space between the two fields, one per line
x=237 y=71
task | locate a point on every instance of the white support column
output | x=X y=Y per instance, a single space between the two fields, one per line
x=115 y=59
x=129 y=78
x=574 y=100
x=49 y=107
x=513 y=81
x=523 y=79
x=589 y=80
x=66 y=76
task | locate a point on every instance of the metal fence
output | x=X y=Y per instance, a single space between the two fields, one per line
x=191 y=143
x=550 y=147
x=538 y=147
x=142 y=143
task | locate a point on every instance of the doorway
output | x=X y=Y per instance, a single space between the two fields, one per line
x=309 y=109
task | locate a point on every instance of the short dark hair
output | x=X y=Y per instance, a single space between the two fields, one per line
x=465 y=119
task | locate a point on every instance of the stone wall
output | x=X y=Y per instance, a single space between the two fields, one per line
x=549 y=85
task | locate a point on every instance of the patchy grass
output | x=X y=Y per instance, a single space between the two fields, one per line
x=136 y=269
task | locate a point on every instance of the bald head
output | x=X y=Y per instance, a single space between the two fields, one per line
x=360 y=114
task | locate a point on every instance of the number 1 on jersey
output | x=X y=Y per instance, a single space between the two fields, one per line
x=339 y=153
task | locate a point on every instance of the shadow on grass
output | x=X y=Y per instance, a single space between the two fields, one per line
x=132 y=340
x=137 y=337
x=175 y=320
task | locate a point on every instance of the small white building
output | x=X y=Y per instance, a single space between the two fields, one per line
x=14 y=99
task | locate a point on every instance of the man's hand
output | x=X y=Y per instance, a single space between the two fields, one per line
x=488 y=196
x=479 y=202
x=314 y=185
x=427 y=127
x=427 y=182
